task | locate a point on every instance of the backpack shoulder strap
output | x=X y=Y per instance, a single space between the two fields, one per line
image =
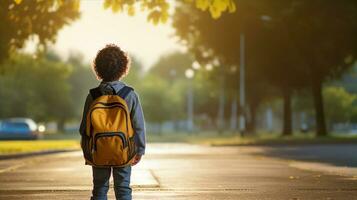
x=123 y=93
x=95 y=92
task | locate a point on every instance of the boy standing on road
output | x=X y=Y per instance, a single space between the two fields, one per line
x=110 y=65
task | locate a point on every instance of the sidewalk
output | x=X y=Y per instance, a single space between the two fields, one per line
x=178 y=171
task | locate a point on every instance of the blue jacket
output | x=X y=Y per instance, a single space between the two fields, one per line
x=136 y=113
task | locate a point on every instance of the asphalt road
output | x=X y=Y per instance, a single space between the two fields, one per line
x=335 y=154
x=182 y=171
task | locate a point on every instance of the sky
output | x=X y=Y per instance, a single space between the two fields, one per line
x=97 y=27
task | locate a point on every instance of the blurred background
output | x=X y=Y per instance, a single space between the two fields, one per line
x=205 y=70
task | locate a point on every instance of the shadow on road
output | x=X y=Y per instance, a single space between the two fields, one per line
x=338 y=154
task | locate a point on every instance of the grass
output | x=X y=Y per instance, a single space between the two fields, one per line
x=276 y=139
x=71 y=140
x=27 y=146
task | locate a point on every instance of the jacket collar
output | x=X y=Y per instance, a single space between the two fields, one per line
x=117 y=85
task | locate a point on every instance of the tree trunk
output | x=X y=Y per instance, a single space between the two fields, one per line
x=252 y=119
x=287 y=129
x=319 y=108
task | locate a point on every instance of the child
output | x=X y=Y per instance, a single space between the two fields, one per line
x=110 y=65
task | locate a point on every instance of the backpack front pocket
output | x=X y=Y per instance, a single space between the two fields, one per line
x=109 y=149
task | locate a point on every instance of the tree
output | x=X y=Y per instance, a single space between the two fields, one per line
x=290 y=49
x=21 y=20
x=211 y=39
x=170 y=68
x=339 y=104
x=325 y=44
x=210 y=93
x=156 y=92
x=24 y=19
x=80 y=80
x=44 y=99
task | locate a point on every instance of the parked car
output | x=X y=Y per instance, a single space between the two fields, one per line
x=18 y=128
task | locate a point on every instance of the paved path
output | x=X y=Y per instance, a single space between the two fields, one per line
x=181 y=171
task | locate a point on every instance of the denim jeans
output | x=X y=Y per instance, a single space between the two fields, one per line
x=121 y=178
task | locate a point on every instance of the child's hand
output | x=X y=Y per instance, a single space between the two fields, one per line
x=136 y=160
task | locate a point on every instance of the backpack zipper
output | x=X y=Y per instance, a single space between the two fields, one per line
x=108 y=104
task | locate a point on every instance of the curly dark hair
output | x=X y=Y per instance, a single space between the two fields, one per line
x=111 y=63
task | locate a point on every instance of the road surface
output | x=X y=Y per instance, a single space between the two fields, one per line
x=192 y=172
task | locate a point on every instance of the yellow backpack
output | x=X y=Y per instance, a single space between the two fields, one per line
x=109 y=139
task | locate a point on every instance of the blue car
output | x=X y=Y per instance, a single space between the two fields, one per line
x=18 y=129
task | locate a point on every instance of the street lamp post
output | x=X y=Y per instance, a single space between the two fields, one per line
x=189 y=73
x=242 y=85
x=242 y=119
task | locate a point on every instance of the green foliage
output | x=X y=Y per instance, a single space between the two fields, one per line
x=136 y=72
x=322 y=45
x=348 y=80
x=219 y=40
x=216 y=8
x=24 y=19
x=80 y=80
x=166 y=79
x=339 y=104
x=156 y=102
x=34 y=87
x=158 y=10
x=165 y=85
x=44 y=88
x=21 y=20
x=206 y=94
x=289 y=45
